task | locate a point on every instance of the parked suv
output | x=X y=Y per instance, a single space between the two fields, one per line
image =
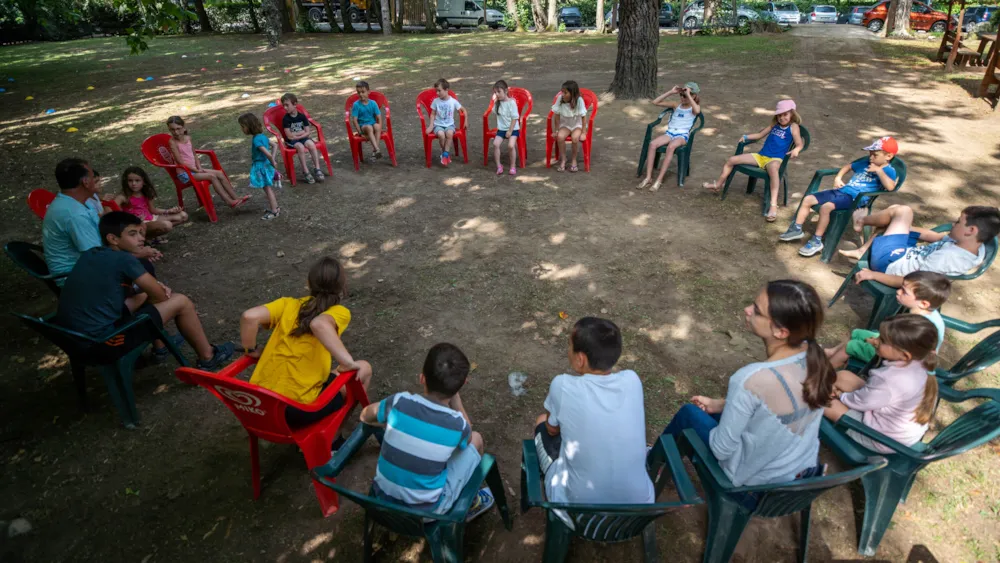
x=922 y=18
x=694 y=15
x=667 y=18
x=977 y=17
x=570 y=16
x=858 y=14
x=783 y=12
x=822 y=14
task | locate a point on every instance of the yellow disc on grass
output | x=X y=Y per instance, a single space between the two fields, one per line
x=72 y=130
x=90 y=87
x=29 y=98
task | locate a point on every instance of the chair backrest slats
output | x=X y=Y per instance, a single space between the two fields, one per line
x=973 y=428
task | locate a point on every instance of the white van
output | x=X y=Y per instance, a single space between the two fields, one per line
x=459 y=13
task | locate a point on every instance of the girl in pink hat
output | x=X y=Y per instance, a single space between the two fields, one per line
x=783 y=138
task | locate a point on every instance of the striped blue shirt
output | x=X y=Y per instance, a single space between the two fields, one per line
x=420 y=437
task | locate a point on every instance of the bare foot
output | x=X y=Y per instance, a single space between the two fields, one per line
x=859 y=217
x=852 y=254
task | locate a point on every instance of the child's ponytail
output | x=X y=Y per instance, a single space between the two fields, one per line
x=918 y=337
x=796 y=307
x=925 y=412
x=327 y=285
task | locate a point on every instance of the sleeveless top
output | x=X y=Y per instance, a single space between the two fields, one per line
x=778 y=142
x=681 y=120
x=186 y=152
x=138 y=205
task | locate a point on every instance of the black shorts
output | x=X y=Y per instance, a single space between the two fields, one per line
x=112 y=350
x=547 y=447
x=291 y=144
x=297 y=418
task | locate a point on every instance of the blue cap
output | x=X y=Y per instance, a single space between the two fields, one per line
x=50 y=110
x=149 y=78
x=272 y=104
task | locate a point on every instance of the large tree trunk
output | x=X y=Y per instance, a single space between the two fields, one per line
x=638 y=38
x=385 y=21
x=272 y=20
x=431 y=23
x=253 y=16
x=331 y=16
x=512 y=10
x=600 y=16
x=286 y=17
x=550 y=17
x=538 y=14
x=614 y=16
x=206 y=26
x=898 y=18
x=368 y=16
x=709 y=13
x=345 y=16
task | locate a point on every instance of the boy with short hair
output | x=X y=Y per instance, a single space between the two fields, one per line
x=429 y=451
x=877 y=175
x=922 y=293
x=442 y=119
x=366 y=118
x=591 y=441
x=296 y=129
x=895 y=253
x=108 y=287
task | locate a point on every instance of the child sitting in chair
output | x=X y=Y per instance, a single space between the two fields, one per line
x=429 y=451
x=877 y=175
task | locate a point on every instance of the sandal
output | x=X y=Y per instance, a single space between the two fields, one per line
x=240 y=202
x=654 y=187
x=499 y=170
x=573 y=168
x=643 y=184
x=513 y=171
x=711 y=186
x=772 y=214
x=562 y=167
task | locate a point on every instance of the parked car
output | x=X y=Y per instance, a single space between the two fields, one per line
x=783 y=12
x=922 y=18
x=459 y=13
x=858 y=14
x=977 y=17
x=694 y=15
x=667 y=18
x=570 y=16
x=822 y=14
x=494 y=18
x=316 y=11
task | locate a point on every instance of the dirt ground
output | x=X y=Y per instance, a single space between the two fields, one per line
x=461 y=255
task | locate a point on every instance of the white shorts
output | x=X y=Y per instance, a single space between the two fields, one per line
x=460 y=468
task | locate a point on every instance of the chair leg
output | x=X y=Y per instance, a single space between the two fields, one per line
x=649 y=551
x=446 y=540
x=848 y=281
x=885 y=307
x=369 y=537
x=834 y=232
x=356 y=156
x=765 y=202
x=751 y=184
x=486 y=150
x=80 y=380
x=883 y=491
x=784 y=197
x=495 y=482
x=465 y=149
x=726 y=521
x=427 y=150
x=548 y=151
x=729 y=180
x=557 y=538
x=255 y=466
x=289 y=158
x=586 y=155
x=804 y=535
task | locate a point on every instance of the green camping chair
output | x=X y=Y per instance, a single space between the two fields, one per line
x=885 y=296
x=682 y=155
x=728 y=514
x=606 y=523
x=983 y=355
x=754 y=173
x=887 y=488
x=31 y=259
x=839 y=220
x=444 y=533
x=117 y=375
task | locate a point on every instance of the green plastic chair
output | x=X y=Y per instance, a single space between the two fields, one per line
x=885 y=296
x=606 y=523
x=31 y=258
x=754 y=173
x=981 y=356
x=682 y=155
x=728 y=516
x=839 y=220
x=117 y=375
x=444 y=533
x=887 y=488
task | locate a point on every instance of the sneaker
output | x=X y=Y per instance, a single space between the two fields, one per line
x=794 y=232
x=513 y=171
x=220 y=354
x=811 y=248
x=444 y=159
x=310 y=179
x=161 y=355
x=319 y=175
x=271 y=214
x=484 y=501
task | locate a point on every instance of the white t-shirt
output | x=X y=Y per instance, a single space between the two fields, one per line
x=602 y=423
x=444 y=112
x=944 y=257
x=570 y=117
x=507 y=116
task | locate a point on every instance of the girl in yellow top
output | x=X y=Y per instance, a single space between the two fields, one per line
x=305 y=339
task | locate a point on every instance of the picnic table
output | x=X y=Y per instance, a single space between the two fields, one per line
x=984 y=40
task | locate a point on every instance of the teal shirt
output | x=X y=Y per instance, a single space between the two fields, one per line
x=365 y=113
x=68 y=230
x=259 y=140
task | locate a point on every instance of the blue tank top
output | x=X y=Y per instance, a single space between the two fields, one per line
x=778 y=141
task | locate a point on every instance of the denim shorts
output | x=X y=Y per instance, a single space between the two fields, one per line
x=183 y=177
x=673 y=135
x=438 y=129
x=840 y=200
x=508 y=134
x=886 y=249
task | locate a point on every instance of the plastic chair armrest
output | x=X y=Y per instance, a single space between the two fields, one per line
x=666 y=449
x=532 y=473
x=700 y=450
x=953 y=395
x=969 y=328
x=137 y=321
x=848 y=423
x=346 y=452
x=328 y=394
x=742 y=145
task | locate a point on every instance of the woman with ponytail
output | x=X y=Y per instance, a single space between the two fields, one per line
x=766 y=430
x=305 y=339
x=899 y=398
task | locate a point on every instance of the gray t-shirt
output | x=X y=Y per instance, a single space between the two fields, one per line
x=944 y=257
x=602 y=423
x=93 y=299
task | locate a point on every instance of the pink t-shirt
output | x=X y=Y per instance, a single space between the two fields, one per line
x=186 y=152
x=890 y=399
x=138 y=205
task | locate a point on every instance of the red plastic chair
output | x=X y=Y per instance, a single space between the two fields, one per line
x=272 y=122
x=39 y=201
x=590 y=100
x=424 y=100
x=357 y=141
x=156 y=149
x=523 y=98
x=262 y=414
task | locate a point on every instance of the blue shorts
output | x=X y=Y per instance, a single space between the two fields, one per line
x=673 y=136
x=840 y=200
x=438 y=129
x=291 y=144
x=509 y=134
x=886 y=249
x=183 y=177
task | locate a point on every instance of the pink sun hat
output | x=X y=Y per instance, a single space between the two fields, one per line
x=783 y=106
